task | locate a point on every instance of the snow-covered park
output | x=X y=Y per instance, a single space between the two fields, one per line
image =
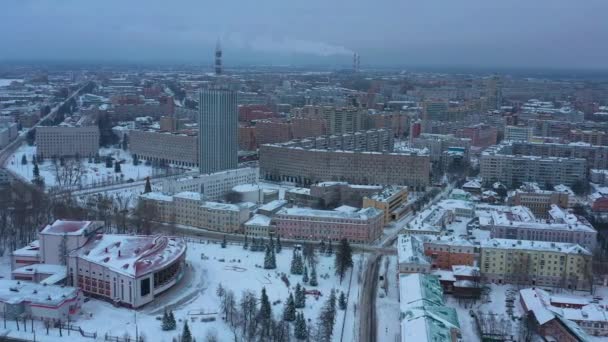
x=195 y=299
x=91 y=174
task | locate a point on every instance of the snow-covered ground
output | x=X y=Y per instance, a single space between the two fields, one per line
x=93 y=175
x=195 y=296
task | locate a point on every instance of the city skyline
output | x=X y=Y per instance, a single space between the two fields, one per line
x=470 y=34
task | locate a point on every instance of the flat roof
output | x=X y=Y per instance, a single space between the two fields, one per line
x=61 y=227
x=16 y=291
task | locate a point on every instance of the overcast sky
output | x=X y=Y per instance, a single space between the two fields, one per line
x=484 y=33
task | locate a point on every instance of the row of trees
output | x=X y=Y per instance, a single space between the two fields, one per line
x=252 y=318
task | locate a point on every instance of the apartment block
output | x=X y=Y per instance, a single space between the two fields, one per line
x=540 y=263
x=363 y=158
x=67 y=141
x=519 y=133
x=501 y=163
x=165 y=147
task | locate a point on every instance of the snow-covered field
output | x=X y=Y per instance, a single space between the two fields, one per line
x=195 y=296
x=93 y=175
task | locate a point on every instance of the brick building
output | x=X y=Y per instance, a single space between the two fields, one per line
x=361 y=226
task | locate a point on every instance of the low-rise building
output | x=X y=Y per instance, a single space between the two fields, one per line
x=559 y=324
x=361 y=226
x=191 y=209
x=448 y=251
x=424 y=314
x=519 y=223
x=390 y=200
x=554 y=264
x=259 y=226
x=213 y=186
x=411 y=257
x=51 y=303
x=128 y=270
x=538 y=201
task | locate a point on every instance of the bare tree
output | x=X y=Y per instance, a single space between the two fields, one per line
x=69 y=174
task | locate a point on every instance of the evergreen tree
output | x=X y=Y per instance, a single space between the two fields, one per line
x=327 y=318
x=265 y=308
x=330 y=248
x=305 y=277
x=313 y=277
x=269 y=260
x=186 y=335
x=168 y=321
x=245 y=243
x=300 y=299
x=278 y=246
x=117 y=166
x=148 y=187
x=271 y=242
x=125 y=142
x=289 y=312
x=344 y=258
x=36 y=171
x=165 y=321
x=23 y=160
x=224 y=241
x=342 y=301
x=300 y=329
x=173 y=323
x=322 y=247
x=108 y=162
x=135 y=160
x=297 y=265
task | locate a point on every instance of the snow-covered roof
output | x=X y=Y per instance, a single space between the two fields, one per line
x=188 y=195
x=301 y=191
x=346 y=208
x=273 y=205
x=31 y=250
x=362 y=214
x=562 y=247
x=522 y=217
x=259 y=220
x=534 y=302
x=410 y=249
x=157 y=196
x=56 y=273
x=387 y=193
x=246 y=187
x=15 y=292
x=417 y=289
x=61 y=227
x=132 y=255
